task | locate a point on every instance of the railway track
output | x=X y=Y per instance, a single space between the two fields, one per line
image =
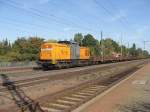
x=41 y=79
x=69 y=99
x=15 y=69
x=19 y=69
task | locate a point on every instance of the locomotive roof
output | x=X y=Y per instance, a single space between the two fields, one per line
x=68 y=42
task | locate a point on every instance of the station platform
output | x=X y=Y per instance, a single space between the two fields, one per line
x=130 y=95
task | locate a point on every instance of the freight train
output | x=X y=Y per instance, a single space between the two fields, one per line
x=64 y=54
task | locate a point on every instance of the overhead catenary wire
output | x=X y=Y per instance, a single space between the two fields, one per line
x=124 y=23
x=109 y=12
x=26 y=23
x=17 y=23
x=14 y=5
x=14 y=26
x=27 y=26
x=124 y=19
x=39 y=13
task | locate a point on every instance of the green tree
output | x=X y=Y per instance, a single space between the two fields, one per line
x=89 y=40
x=33 y=47
x=4 y=47
x=1 y=48
x=110 y=46
x=133 y=51
x=27 y=49
x=146 y=54
x=92 y=43
x=140 y=52
x=78 y=38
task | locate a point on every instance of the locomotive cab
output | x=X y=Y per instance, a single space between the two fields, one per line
x=46 y=51
x=53 y=53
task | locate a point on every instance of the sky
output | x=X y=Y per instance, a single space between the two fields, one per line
x=126 y=20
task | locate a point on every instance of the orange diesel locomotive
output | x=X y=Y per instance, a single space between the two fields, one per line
x=63 y=54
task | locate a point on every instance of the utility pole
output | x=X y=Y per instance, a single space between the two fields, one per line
x=121 y=46
x=128 y=49
x=144 y=43
x=102 y=47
